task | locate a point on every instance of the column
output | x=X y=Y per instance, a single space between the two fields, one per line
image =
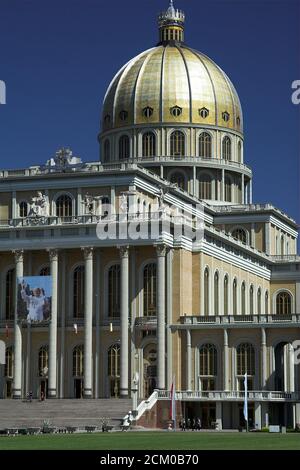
x=250 y=192
x=28 y=358
x=243 y=188
x=52 y=374
x=194 y=180
x=124 y=255
x=161 y=253
x=291 y=368
x=113 y=200
x=62 y=324
x=246 y=194
x=17 y=384
x=169 y=317
x=88 y=322
x=219 y=415
x=97 y=313
x=297 y=305
x=252 y=235
x=223 y=186
x=267 y=238
x=226 y=361
x=257 y=415
x=188 y=360
x=263 y=359
x=14 y=212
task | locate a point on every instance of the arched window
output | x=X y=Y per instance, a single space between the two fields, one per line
x=228 y=195
x=240 y=152
x=177 y=144
x=9 y=363
x=23 y=209
x=78 y=292
x=106 y=151
x=10 y=282
x=205 y=187
x=234 y=297
x=206 y=292
x=226 y=148
x=124 y=147
x=266 y=302
x=283 y=303
x=216 y=294
x=205 y=145
x=243 y=298
x=245 y=364
x=149 y=144
x=240 y=234
x=78 y=360
x=251 y=293
x=43 y=361
x=114 y=281
x=64 y=206
x=113 y=370
x=208 y=359
x=150 y=290
x=259 y=301
x=226 y=295
x=179 y=179
x=45 y=271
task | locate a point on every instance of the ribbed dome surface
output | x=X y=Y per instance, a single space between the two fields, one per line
x=148 y=88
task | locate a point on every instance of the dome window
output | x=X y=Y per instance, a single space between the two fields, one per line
x=238 y=121
x=204 y=113
x=176 y=111
x=225 y=116
x=123 y=115
x=107 y=119
x=147 y=112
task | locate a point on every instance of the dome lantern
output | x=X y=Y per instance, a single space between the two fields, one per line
x=171 y=25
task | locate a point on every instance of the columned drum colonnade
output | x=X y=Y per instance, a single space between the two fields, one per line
x=88 y=253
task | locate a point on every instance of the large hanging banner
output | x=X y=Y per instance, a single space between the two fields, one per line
x=34 y=298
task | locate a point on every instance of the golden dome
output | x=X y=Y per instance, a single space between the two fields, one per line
x=172 y=84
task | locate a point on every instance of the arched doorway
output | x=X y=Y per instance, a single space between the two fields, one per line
x=150 y=369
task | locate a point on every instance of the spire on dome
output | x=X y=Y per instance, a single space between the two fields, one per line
x=171 y=25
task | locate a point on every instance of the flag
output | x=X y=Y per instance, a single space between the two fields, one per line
x=6 y=329
x=173 y=403
x=246 y=398
x=75 y=328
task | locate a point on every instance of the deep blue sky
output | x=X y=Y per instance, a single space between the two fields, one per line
x=58 y=57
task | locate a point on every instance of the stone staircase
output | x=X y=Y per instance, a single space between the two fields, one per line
x=62 y=413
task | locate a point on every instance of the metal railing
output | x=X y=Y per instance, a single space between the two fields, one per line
x=234 y=319
x=259 y=395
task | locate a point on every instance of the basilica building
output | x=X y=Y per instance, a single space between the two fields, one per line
x=162 y=266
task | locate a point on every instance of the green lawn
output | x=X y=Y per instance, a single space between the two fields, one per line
x=153 y=441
